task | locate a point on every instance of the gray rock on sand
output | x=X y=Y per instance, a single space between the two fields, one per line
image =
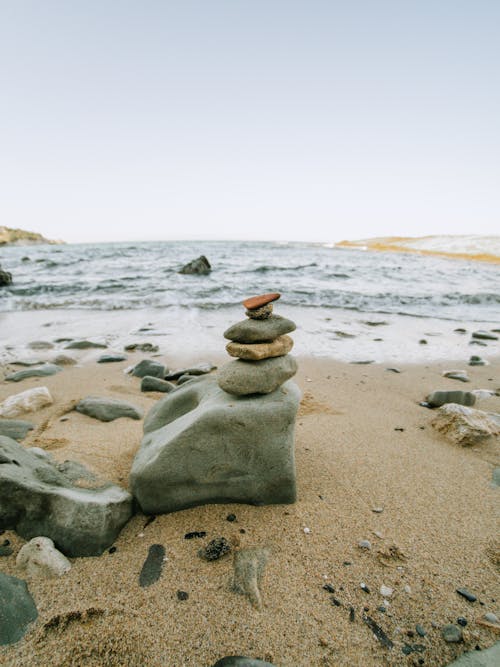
x=199 y=266
x=111 y=358
x=17 y=609
x=63 y=360
x=141 y=347
x=34 y=371
x=465 y=426
x=149 y=367
x=202 y=445
x=477 y=361
x=153 y=565
x=38 y=499
x=259 y=331
x=40 y=558
x=241 y=661
x=108 y=409
x=17 y=429
x=451 y=634
x=456 y=375
x=438 y=398
x=243 y=378
x=84 y=345
x=249 y=565
x=149 y=383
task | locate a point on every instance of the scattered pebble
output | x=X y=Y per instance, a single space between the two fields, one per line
x=382 y=609
x=393 y=370
x=364 y=587
x=377 y=510
x=462 y=621
x=491 y=618
x=451 y=634
x=465 y=593
x=336 y=602
x=182 y=595
x=329 y=588
x=351 y=614
x=420 y=630
x=364 y=544
x=111 y=550
x=215 y=549
x=378 y=632
x=231 y=517
x=386 y=591
x=195 y=533
x=307 y=530
x=152 y=567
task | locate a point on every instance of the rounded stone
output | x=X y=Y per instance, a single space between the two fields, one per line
x=257 y=351
x=259 y=331
x=242 y=378
x=255 y=302
x=451 y=634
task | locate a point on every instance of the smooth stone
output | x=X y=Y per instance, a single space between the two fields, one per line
x=64 y=360
x=37 y=371
x=186 y=378
x=491 y=618
x=261 y=313
x=466 y=426
x=153 y=565
x=364 y=544
x=141 y=347
x=486 y=658
x=27 y=362
x=30 y=400
x=149 y=367
x=242 y=378
x=438 y=398
x=202 y=445
x=255 y=302
x=259 y=331
x=84 y=345
x=40 y=558
x=111 y=358
x=477 y=361
x=451 y=634
x=108 y=409
x=484 y=335
x=199 y=266
x=37 y=498
x=17 y=609
x=456 y=375
x=241 y=661
x=478 y=342
x=200 y=369
x=17 y=429
x=257 y=351
x=40 y=345
x=150 y=383
x=465 y=594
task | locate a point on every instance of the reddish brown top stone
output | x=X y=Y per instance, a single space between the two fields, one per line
x=255 y=302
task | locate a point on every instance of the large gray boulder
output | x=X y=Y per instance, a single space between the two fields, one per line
x=37 y=498
x=259 y=331
x=17 y=609
x=202 y=445
x=242 y=378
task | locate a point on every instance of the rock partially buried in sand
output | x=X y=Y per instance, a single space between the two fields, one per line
x=111 y=358
x=255 y=302
x=465 y=426
x=37 y=498
x=202 y=445
x=141 y=347
x=17 y=429
x=439 y=398
x=257 y=351
x=259 y=331
x=17 y=609
x=37 y=371
x=243 y=378
x=40 y=558
x=108 y=409
x=30 y=400
x=200 y=369
x=153 y=565
x=241 y=661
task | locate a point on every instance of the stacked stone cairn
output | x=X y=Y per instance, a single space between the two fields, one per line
x=228 y=437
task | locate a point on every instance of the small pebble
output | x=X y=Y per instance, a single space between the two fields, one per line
x=182 y=595
x=111 y=550
x=491 y=618
x=407 y=589
x=407 y=649
x=195 y=533
x=364 y=544
x=462 y=621
x=377 y=510
x=336 y=602
x=422 y=341
x=329 y=588
x=386 y=591
x=346 y=563
x=420 y=630
x=351 y=614
x=381 y=609
x=6 y=543
x=451 y=634
x=465 y=594
x=231 y=517
x=364 y=587
x=307 y=530
x=410 y=633
x=215 y=549
x=242 y=531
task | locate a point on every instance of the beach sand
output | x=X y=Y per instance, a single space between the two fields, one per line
x=437 y=531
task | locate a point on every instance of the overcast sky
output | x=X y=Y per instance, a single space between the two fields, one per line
x=255 y=119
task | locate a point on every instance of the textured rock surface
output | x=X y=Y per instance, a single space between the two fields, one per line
x=259 y=331
x=249 y=565
x=40 y=558
x=108 y=409
x=261 y=313
x=198 y=266
x=257 y=351
x=149 y=383
x=17 y=609
x=36 y=371
x=438 y=398
x=243 y=378
x=30 y=400
x=202 y=445
x=149 y=367
x=17 y=429
x=466 y=426
x=38 y=499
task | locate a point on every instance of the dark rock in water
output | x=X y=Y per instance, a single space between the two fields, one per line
x=451 y=634
x=201 y=369
x=241 y=661
x=422 y=341
x=107 y=409
x=40 y=345
x=141 y=347
x=36 y=371
x=259 y=331
x=84 y=345
x=5 y=278
x=17 y=429
x=36 y=498
x=149 y=367
x=484 y=335
x=153 y=565
x=243 y=378
x=111 y=358
x=344 y=334
x=215 y=549
x=465 y=594
x=199 y=266
x=375 y=323
x=17 y=609
x=150 y=383
x=438 y=398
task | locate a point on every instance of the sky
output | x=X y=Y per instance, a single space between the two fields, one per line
x=317 y=120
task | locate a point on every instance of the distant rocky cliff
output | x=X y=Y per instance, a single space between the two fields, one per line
x=9 y=236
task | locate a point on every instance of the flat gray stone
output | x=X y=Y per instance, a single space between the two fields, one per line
x=111 y=358
x=486 y=658
x=149 y=383
x=108 y=409
x=84 y=345
x=439 y=398
x=17 y=429
x=242 y=378
x=149 y=367
x=36 y=371
x=17 y=609
x=37 y=498
x=259 y=331
x=202 y=445
x=200 y=369
x=153 y=565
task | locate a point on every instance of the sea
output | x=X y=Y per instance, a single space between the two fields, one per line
x=350 y=304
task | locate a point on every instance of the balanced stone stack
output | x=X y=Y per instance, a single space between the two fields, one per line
x=261 y=345
x=226 y=438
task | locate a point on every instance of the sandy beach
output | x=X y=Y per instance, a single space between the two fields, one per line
x=363 y=443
